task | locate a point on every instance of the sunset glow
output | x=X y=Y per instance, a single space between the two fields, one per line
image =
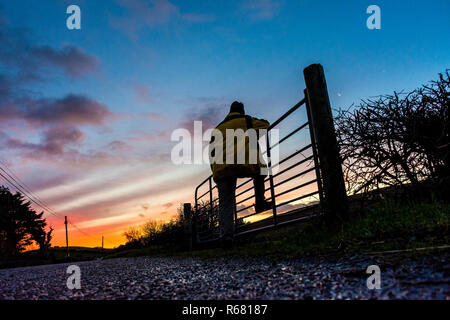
x=86 y=115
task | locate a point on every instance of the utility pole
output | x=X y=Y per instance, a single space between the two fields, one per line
x=102 y=243
x=67 y=237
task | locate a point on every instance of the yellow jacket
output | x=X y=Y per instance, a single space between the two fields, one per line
x=244 y=163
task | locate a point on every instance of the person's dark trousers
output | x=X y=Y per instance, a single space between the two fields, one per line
x=227 y=200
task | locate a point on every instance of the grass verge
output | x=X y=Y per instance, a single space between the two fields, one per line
x=389 y=225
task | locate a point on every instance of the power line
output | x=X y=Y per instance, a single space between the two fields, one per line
x=24 y=193
x=40 y=202
x=34 y=198
x=24 y=186
x=83 y=232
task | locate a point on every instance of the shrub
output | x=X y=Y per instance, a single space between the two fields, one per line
x=397 y=139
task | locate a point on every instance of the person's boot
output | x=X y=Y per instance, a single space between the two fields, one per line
x=263 y=206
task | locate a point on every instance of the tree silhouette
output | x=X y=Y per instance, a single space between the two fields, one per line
x=20 y=225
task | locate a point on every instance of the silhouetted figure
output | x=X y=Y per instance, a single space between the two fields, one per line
x=225 y=174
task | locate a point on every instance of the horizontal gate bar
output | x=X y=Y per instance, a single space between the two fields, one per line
x=290 y=135
x=284 y=116
x=279 y=163
x=299 y=198
x=279 y=183
x=207 y=218
x=282 y=193
x=272 y=225
x=294 y=188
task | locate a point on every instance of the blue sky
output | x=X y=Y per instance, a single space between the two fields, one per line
x=150 y=66
x=231 y=53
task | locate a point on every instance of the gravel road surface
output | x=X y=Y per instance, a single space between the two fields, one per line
x=422 y=277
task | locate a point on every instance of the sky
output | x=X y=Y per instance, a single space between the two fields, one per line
x=86 y=116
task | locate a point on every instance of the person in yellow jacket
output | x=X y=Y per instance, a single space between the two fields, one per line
x=237 y=155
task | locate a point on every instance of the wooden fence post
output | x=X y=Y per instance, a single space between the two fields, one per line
x=187 y=219
x=335 y=197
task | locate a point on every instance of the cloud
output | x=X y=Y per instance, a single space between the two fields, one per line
x=118 y=145
x=210 y=118
x=72 y=60
x=22 y=61
x=141 y=14
x=56 y=122
x=40 y=127
x=157 y=11
x=54 y=142
x=132 y=188
x=72 y=109
x=3 y=138
x=168 y=205
x=5 y=87
x=31 y=62
x=209 y=110
x=152 y=13
x=7 y=106
x=259 y=10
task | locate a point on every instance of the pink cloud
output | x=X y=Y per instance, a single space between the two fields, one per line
x=54 y=142
x=118 y=145
x=72 y=109
x=209 y=116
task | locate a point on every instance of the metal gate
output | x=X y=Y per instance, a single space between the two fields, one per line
x=296 y=190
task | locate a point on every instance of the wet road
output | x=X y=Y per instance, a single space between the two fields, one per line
x=422 y=277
